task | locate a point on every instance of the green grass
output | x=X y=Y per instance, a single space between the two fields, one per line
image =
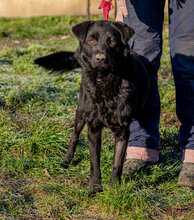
x=38 y=27
x=36 y=122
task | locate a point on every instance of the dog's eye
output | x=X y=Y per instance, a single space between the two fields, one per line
x=92 y=41
x=112 y=43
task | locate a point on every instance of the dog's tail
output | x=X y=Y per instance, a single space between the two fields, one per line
x=58 y=62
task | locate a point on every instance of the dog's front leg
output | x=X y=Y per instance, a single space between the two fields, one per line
x=79 y=124
x=121 y=141
x=94 y=141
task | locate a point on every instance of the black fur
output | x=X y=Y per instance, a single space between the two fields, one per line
x=61 y=61
x=113 y=90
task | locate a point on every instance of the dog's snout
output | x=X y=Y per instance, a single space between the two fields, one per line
x=100 y=57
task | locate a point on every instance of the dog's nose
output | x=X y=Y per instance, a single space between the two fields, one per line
x=100 y=57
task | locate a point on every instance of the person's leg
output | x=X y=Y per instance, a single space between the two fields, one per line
x=181 y=39
x=146 y=18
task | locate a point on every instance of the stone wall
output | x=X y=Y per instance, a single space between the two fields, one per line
x=30 y=8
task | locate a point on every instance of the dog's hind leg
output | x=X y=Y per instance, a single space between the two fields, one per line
x=121 y=141
x=94 y=141
x=79 y=124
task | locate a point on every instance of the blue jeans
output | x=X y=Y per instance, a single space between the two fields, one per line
x=146 y=18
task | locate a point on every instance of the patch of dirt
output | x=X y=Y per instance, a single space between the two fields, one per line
x=11 y=182
x=79 y=217
x=169 y=119
x=24 y=43
x=165 y=27
x=13 y=193
x=93 y=213
x=68 y=180
x=180 y=212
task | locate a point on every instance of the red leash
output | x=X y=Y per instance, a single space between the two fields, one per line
x=106 y=5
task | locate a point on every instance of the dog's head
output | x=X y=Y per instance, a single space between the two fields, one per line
x=101 y=43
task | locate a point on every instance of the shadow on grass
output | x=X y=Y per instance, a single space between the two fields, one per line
x=14 y=200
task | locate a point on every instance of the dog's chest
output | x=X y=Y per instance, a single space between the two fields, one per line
x=111 y=105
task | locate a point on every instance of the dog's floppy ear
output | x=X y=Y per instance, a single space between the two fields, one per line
x=80 y=30
x=126 y=31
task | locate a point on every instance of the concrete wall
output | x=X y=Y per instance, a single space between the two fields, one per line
x=29 y=8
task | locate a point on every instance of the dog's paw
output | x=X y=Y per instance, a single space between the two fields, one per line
x=65 y=164
x=95 y=189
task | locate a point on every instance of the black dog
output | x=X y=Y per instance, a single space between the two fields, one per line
x=114 y=88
